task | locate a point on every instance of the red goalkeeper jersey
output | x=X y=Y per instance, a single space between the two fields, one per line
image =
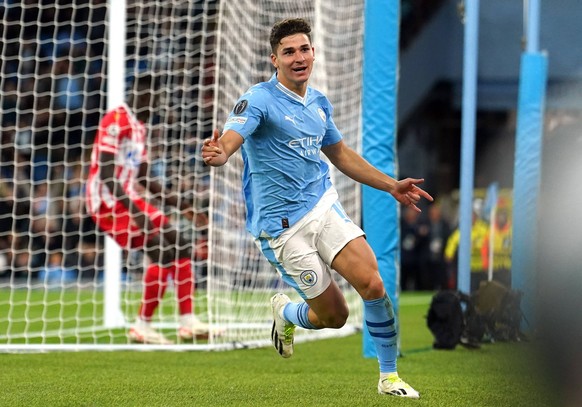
x=123 y=135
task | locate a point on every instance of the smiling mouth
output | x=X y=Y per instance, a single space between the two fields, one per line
x=300 y=69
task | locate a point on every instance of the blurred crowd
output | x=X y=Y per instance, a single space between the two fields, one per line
x=51 y=71
x=430 y=243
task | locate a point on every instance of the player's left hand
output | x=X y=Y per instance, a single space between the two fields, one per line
x=409 y=194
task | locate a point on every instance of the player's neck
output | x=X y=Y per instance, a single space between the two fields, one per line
x=299 y=89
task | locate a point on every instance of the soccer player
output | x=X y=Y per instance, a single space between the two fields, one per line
x=119 y=163
x=293 y=210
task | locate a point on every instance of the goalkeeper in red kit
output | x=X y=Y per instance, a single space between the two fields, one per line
x=119 y=163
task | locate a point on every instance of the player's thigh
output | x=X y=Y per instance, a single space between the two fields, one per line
x=298 y=262
x=357 y=263
x=342 y=245
x=116 y=222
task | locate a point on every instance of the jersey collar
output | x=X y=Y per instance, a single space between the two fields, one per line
x=288 y=92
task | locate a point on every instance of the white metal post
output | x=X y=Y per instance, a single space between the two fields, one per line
x=113 y=317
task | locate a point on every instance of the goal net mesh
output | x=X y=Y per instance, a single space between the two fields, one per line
x=204 y=54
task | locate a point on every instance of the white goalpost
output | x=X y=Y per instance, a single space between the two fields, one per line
x=112 y=315
x=63 y=284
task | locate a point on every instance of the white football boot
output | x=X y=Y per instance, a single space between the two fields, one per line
x=282 y=331
x=144 y=332
x=395 y=386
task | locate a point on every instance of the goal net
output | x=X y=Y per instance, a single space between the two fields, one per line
x=63 y=284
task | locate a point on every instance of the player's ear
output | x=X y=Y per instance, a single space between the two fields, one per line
x=274 y=61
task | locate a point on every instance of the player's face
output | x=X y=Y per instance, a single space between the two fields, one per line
x=294 y=61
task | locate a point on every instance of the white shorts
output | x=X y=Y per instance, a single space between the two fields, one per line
x=303 y=254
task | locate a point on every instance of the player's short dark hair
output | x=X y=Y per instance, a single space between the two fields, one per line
x=287 y=27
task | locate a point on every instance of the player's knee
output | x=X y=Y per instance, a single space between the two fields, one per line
x=336 y=320
x=373 y=289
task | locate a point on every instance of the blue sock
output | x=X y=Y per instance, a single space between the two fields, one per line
x=296 y=313
x=381 y=324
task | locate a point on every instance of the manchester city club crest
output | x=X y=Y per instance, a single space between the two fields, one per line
x=308 y=277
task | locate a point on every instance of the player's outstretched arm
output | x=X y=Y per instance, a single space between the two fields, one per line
x=217 y=150
x=356 y=167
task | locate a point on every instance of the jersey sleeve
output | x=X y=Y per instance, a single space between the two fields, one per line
x=248 y=113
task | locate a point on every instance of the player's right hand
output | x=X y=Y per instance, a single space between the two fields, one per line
x=212 y=154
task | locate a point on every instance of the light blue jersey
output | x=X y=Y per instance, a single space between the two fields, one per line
x=284 y=176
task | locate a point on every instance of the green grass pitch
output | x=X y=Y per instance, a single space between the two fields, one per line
x=322 y=373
